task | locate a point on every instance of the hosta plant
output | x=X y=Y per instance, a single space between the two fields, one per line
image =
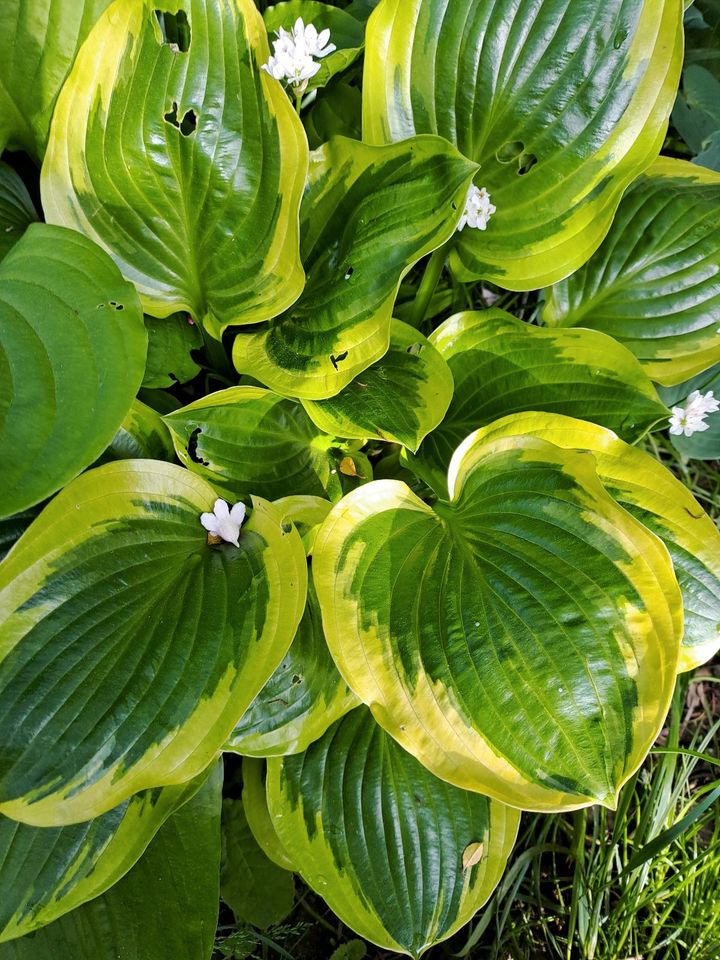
x=285 y=481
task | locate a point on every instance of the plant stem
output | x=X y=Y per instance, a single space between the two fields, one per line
x=217 y=356
x=427 y=287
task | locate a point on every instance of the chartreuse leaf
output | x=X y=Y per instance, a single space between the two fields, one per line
x=131 y=647
x=141 y=435
x=178 y=154
x=255 y=888
x=521 y=639
x=306 y=694
x=48 y=871
x=368 y=214
x=38 y=44
x=166 y=906
x=72 y=353
x=16 y=209
x=401 y=397
x=654 y=284
x=382 y=839
x=561 y=103
x=248 y=439
x=661 y=503
x=171 y=341
x=347 y=33
x=254 y=798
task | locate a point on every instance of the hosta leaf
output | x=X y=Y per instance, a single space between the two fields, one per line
x=171 y=341
x=520 y=640
x=38 y=44
x=336 y=112
x=141 y=435
x=254 y=798
x=654 y=284
x=382 y=839
x=72 y=353
x=12 y=528
x=401 y=397
x=368 y=214
x=176 y=881
x=501 y=365
x=663 y=504
x=48 y=871
x=250 y=440
x=347 y=33
x=172 y=149
x=16 y=209
x=306 y=694
x=131 y=647
x=255 y=888
x=562 y=103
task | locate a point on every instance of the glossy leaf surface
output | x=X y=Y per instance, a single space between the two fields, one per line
x=520 y=640
x=561 y=102
x=368 y=214
x=382 y=839
x=654 y=284
x=179 y=870
x=183 y=159
x=400 y=398
x=171 y=342
x=254 y=798
x=131 y=647
x=72 y=353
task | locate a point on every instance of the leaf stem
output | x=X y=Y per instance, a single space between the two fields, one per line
x=428 y=285
x=216 y=355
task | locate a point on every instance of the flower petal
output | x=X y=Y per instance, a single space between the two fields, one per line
x=221 y=509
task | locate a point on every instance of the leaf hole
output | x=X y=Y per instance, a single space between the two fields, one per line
x=526 y=163
x=174 y=30
x=349 y=272
x=414 y=349
x=115 y=305
x=188 y=124
x=286 y=527
x=296 y=679
x=510 y=151
x=192 y=446
x=172 y=117
x=335 y=360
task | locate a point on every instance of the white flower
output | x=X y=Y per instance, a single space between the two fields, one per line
x=293 y=52
x=224 y=522
x=690 y=418
x=478 y=208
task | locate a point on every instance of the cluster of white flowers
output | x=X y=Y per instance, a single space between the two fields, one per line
x=224 y=522
x=294 y=53
x=478 y=209
x=690 y=418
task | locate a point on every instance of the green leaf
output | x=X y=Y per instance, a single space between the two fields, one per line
x=184 y=159
x=401 y=397
x=166 y=906
x=170 y=345
x=142 y=436
x=254 y=798
x=16 y=209
x=250 y=440
x=653 y=284
x=336 y=112
x=12 y=528
x=561 y=103
x=352 y=950
x=48 y=871
x=520 y=640
x=306 y=694
x=501 y=365
x=38 y=44
x=650 y=492
x=131 y=647
x=382 y=840
x=72 y=353
x=347 y=33
x=368 y=214
x=256 y=889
